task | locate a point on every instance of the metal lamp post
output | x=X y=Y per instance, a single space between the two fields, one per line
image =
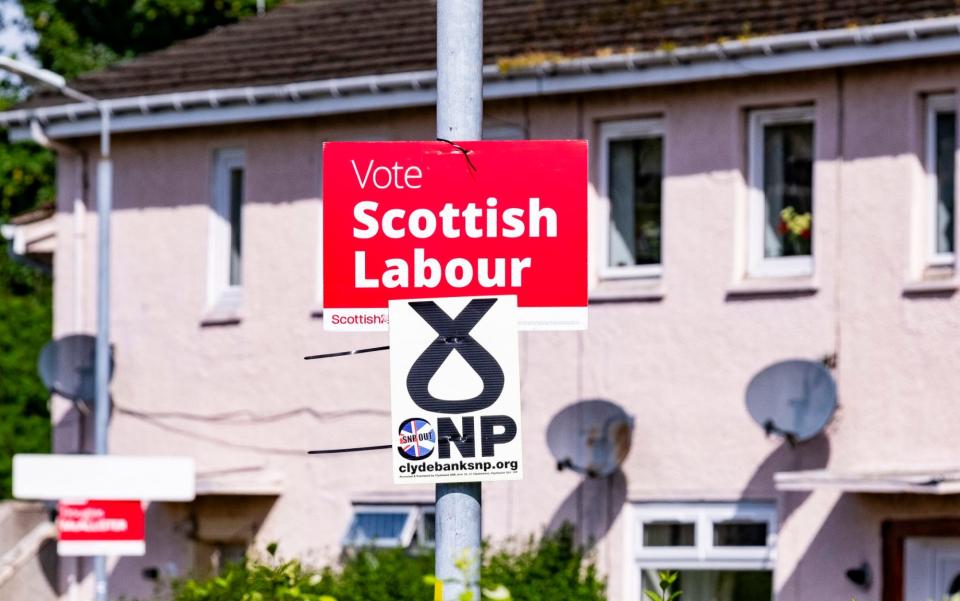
x=104 y=208
x=459 y=118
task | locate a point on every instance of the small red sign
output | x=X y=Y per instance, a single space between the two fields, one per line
x=101 y=528
x=434 y=219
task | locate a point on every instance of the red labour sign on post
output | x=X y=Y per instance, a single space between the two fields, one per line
x=91 y=528
x=433 y=219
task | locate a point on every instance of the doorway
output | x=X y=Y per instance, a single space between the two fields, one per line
x=932 y=569
x=924 y=536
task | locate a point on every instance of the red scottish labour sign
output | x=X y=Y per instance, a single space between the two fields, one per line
x=433 y=219
x=100 y=528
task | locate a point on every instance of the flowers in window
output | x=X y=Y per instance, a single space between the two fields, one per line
x=796 y=230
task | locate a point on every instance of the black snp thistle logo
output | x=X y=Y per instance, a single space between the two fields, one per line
x=453 y=334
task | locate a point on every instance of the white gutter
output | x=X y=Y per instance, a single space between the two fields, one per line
x=767 y=55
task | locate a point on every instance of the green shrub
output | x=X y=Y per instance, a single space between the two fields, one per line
x=551 y=568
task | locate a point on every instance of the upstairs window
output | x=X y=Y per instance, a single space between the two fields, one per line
x=226 y=229
x=631 y=184
x=722 y=551
x=940 y=166
x=781 y=219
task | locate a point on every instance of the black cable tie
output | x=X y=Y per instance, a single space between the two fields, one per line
x=466 y=153
x=378 y=447
x=358 y=351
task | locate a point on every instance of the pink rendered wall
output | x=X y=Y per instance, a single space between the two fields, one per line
x=679 y=364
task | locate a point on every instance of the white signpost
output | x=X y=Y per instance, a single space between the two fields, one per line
x=101 y=496
x=455 y=390
x=103 y=477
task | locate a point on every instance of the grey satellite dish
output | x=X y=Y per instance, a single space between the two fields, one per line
x=66 y=367
x=795 y=399
x=590 y=437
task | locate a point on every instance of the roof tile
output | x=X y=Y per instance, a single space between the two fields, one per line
x=313 y=40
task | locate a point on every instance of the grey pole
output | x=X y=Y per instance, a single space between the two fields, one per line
x=102 y=356
x=459 y=118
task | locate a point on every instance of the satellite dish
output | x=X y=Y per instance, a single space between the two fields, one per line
x=795 y=399
x=66 y=367
x=590 y=437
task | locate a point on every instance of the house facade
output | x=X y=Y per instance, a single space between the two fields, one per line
x=789 y=194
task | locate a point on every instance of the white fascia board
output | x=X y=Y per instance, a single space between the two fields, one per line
x=880 y=482
x=222 y=115
x=728 y=68
x=757 y=56
x=104 y=477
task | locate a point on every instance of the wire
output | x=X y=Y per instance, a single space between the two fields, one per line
x=466 y=153
x=214 y=439
x=360 y=351
x=245 y=415
x=378 y=447
x=155 y=421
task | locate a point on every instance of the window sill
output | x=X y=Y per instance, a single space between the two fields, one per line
x=756 y=287
x=622 y=290
x=226 y=311
x=943 y=285
x=214 y=318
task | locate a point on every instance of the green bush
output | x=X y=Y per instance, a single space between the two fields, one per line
x=551 y=568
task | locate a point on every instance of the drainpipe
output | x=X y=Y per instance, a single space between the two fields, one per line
x=79 y=242
x=9 y=233
x=38 y=135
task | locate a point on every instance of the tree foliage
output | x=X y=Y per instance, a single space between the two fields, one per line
x=25 y=324
x=73 y=37
x=76 y=36
x=26 y=180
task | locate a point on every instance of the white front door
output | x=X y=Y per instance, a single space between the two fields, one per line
x=931 y=569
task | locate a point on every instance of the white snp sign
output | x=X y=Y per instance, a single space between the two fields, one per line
x=455 y=390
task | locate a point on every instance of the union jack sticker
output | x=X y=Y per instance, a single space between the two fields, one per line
x=416 y=439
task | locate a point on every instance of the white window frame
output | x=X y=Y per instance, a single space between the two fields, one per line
x=703 y=555
x=759 y=266
x=414 y=524
x=936 y=103
x=609 y=132
x=219 y=290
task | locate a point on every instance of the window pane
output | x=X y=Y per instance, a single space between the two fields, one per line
x=635 y=182
x=668 y=534
x=946 y=127
x=429 y=528
x=236 y=229
x=369 y=527
x=788 y=189
x=740 y=534
x=715 y=585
